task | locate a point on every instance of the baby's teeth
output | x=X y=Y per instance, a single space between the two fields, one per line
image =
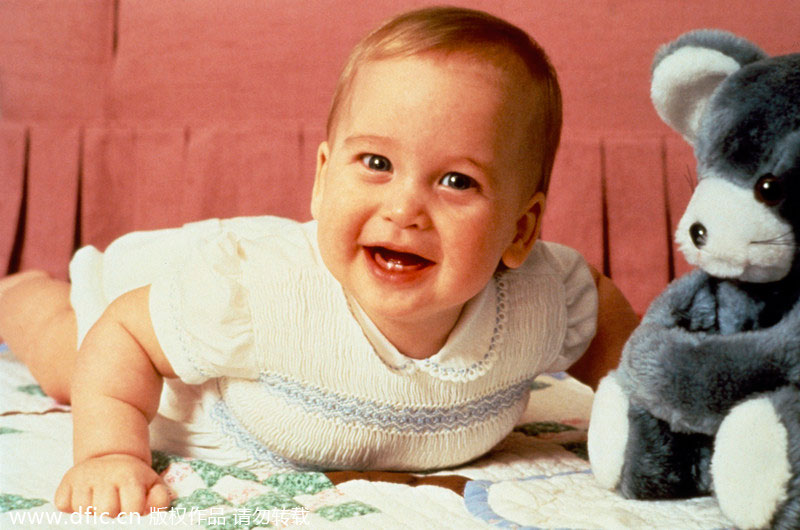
x=394 y=265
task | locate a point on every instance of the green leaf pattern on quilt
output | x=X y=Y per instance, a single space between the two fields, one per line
x=211 y=473
x=299 y=483
x=8 y=430
x=539 y=385
x=549 y=430
x=9 y=501
x=271 y=501
x=578 y=449
x=33 y=390
x=161 y=461
x=543 y=427
x=281 y=496
x=343 y=511
x=200 y=500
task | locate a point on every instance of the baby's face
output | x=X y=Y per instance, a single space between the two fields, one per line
x=424 y=186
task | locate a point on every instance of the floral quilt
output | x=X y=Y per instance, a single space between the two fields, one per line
x=538 y=477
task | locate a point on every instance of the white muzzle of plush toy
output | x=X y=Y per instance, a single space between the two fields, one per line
x=729 y=234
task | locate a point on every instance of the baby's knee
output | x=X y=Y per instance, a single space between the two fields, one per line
x=38 y=324
x=28 y=301
x=23 y=292
x=20 y=279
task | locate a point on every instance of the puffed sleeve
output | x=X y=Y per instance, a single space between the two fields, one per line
x=581 y=301
x=201 y=315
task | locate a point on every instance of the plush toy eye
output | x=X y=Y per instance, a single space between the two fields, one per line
x=769 y=190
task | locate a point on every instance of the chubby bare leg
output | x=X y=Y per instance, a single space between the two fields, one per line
x=38 y=324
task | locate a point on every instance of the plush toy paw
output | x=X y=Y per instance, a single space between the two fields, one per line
x=752 y=467
x=608 y=432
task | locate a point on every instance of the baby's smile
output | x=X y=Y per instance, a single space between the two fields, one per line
x=396 y=265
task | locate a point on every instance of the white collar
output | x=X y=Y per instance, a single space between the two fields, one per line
x=471 y=347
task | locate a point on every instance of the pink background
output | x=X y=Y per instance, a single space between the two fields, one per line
x=120 y=115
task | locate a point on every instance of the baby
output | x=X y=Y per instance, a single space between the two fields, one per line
x=401 y=329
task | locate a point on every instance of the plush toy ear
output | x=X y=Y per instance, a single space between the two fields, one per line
x=687 y=71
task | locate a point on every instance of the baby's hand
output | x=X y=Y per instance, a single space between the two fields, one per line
x=110 y=485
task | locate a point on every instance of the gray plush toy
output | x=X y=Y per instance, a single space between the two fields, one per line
x=706 y=399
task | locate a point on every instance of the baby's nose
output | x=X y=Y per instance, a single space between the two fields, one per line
x=404 y=205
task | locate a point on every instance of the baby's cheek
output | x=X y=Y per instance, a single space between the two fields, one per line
x=472 y=270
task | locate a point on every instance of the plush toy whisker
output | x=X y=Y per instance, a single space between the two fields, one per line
x=690 y=177
x=784 y=240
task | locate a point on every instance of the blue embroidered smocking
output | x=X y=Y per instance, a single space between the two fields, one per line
x=347 y=409
x=231 y=427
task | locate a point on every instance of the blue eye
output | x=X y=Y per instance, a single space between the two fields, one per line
x=376 y=162
x=458 y=181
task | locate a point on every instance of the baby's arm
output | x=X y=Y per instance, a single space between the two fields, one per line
x=616 y=320
x=115 y=394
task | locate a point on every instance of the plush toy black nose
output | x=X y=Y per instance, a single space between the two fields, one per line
x=698 y=234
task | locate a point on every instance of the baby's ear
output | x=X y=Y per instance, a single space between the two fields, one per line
x=528 y=227
x=323 y=153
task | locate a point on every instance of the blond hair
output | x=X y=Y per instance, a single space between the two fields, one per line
x=454 y=29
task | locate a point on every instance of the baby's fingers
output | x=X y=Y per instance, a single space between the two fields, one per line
x=104 y=500
x=159 y=496
x=132 y=498
x=63 y=497
x=81 y=498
